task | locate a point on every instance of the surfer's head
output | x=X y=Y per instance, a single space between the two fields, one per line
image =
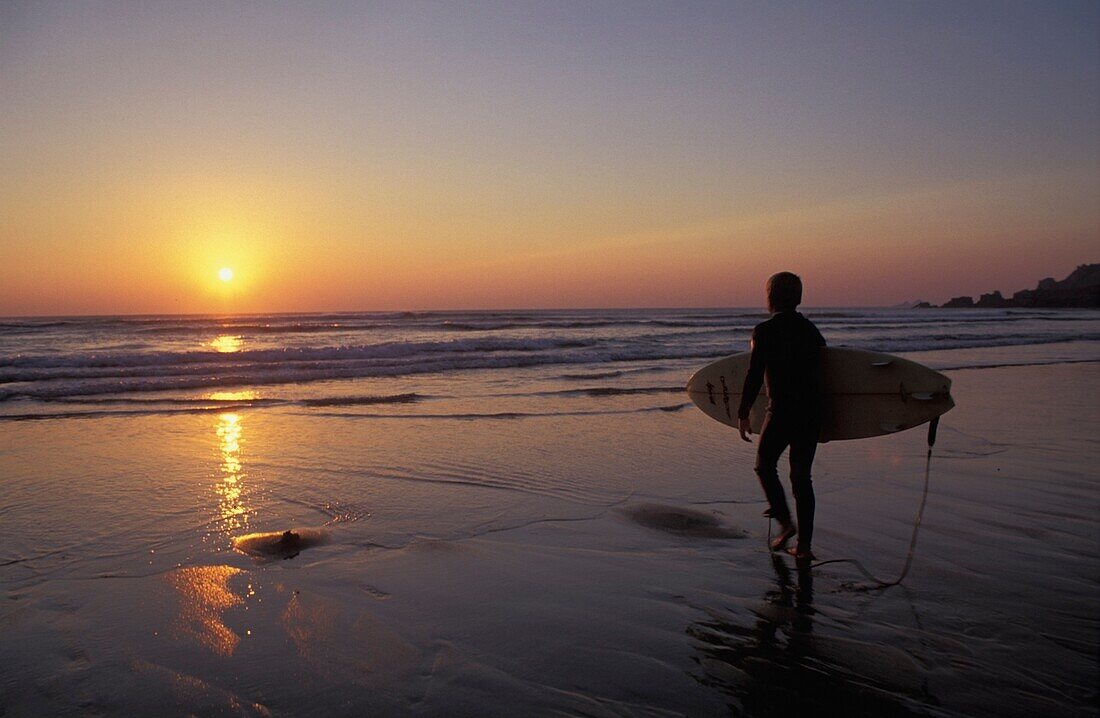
x=784 y=292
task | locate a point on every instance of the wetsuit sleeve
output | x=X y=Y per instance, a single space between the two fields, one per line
x=755 y=378
x=819 y=365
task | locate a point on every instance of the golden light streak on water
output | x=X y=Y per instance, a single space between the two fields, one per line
x=243 y=395
x=227 y=343
x=233 y=512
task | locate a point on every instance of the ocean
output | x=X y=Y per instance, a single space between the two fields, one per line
x=520 y=513
x=162 y=363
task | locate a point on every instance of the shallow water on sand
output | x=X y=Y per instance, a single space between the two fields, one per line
x=534 y=544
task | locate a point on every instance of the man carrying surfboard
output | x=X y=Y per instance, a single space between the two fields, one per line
x=786 y=352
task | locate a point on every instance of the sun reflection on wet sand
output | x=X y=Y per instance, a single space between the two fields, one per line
x=233 y=513
x=227 y=343
x=204 y=595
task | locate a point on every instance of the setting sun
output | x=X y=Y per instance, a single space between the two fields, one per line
x=225 y=274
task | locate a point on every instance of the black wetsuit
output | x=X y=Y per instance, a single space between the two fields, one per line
x=786 y=350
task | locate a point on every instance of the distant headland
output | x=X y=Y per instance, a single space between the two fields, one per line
x=1080 y=289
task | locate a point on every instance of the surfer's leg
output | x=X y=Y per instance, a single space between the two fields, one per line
x=803 y=448
x=772 y=442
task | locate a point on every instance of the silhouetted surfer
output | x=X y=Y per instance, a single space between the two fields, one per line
x=786 y=351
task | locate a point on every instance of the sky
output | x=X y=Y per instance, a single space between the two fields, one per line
x=431 y=155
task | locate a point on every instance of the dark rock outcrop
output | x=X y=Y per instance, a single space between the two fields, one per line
x=993 y=299
x=1080 y=289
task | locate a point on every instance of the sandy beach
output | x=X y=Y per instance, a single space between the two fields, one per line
x=598 y=563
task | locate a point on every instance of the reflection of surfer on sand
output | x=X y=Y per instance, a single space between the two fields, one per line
x=786 y=351
x=774 y=661
x=769 y=664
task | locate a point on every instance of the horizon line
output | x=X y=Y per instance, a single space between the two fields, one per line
x=759 y=309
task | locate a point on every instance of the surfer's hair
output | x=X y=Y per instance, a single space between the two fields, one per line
x=784 y=292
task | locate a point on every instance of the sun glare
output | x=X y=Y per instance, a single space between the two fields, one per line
x=226 y=344
x=225 y=274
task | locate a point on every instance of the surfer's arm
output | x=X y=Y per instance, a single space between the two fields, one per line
x=744 y=428
x=819 y=363
x=754 y=379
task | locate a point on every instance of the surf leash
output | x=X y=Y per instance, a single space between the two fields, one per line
x=879 y=583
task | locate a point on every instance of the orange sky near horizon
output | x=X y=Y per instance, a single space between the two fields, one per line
x=148 y=255
x=665 y=161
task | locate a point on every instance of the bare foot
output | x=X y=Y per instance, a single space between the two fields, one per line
x=801 y=555
x=786 y=532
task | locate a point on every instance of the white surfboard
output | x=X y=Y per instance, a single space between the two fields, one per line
x=866 y=393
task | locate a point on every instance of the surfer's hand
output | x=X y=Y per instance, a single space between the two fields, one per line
x=744 y=429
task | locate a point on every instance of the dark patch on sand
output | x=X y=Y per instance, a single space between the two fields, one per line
x=681 y=521
x=375 y=593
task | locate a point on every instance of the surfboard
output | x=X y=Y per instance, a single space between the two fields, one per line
x=866 y=393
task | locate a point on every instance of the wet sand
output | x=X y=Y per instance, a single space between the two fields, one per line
x=606 y=564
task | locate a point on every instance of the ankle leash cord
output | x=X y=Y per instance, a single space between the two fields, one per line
x=916 y=525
